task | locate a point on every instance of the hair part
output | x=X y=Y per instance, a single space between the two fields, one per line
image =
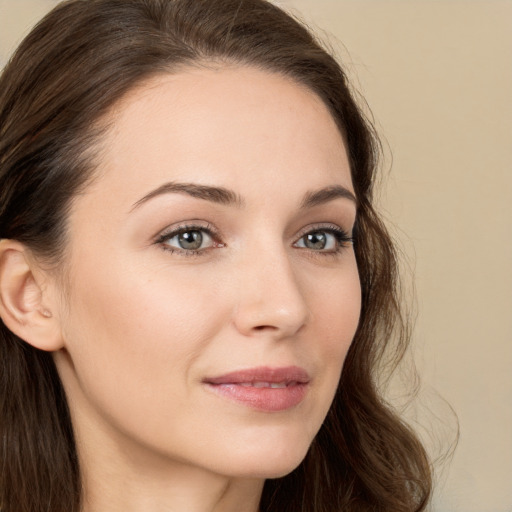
x=55 y=96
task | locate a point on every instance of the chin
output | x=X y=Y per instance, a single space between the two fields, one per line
x=265 y=461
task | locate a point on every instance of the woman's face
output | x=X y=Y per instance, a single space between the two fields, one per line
x=212 y=290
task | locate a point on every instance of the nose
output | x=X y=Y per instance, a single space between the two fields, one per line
x=270 y=298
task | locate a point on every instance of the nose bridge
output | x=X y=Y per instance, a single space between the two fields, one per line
x=270 y=296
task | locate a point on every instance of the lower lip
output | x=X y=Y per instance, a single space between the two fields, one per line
x=263 y=399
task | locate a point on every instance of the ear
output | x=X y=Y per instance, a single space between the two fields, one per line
x=25 y=304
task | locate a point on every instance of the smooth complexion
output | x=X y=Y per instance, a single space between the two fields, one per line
x=210 y=246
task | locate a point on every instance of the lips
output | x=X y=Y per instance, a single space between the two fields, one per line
x=263 y=388
x=273 y=385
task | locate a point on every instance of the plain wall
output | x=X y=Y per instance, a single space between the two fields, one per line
x=438 y=77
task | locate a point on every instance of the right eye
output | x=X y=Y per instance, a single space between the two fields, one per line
x=188 y=240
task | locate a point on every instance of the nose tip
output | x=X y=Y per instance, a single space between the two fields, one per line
x=263 y=318
x=271 y=302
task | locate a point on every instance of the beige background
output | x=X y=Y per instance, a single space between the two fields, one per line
x=438 y=77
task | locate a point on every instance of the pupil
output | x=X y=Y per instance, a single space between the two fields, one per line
x=316 y=240
x=190 y=240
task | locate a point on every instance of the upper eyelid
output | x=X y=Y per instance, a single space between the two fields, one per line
x=329 y=226
x=174 y=230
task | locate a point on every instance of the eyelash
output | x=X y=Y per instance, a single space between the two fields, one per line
x=342 y=239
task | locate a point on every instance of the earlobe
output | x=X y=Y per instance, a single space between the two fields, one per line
x=23 y=306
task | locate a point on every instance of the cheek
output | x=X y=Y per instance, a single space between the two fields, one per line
x=342 y=317
x=337 y=308
x=130 y=334
x=136 y=305
x=335 y=304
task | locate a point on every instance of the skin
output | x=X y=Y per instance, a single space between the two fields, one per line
x=141 y=326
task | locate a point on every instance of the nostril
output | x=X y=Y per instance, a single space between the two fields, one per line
x=265 y=327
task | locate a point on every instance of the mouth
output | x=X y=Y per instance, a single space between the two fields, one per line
x=273 y=385
x=264 y=389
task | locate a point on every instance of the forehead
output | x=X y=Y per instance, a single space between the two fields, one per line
x=235 y=126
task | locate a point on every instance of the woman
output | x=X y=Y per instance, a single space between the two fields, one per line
x=195 y=289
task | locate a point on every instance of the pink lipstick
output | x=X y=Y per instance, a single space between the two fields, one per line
x=263 y=388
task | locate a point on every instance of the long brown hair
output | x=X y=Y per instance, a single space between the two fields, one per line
x=65 y=76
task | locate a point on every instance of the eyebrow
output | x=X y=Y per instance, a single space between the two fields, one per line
x=324 y=195
x=224 y=196
x=218 y=195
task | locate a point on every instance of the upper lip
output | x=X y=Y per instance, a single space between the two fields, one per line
x=268 y=374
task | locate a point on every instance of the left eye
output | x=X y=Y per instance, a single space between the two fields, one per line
x=189 y=240
x=322 y=240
